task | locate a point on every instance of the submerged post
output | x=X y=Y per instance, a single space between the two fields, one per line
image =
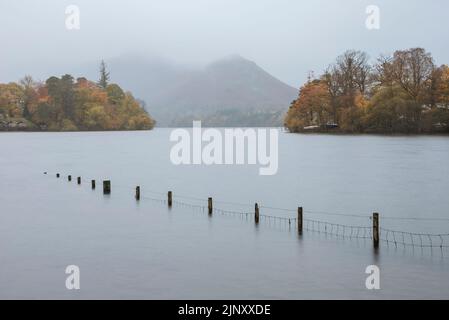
x=78 y=180
x=256 y=213
x=57 y=175
x=93 y=184
x=376 y=230
x=169 y=199
x=69 y=178
x=300 y=220
x=209 y=205
x=106 y=186
x=138 y=193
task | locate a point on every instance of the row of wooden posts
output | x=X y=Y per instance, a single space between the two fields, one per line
x=107 y=190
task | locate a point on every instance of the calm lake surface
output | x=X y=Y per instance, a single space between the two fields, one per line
x=128 y=249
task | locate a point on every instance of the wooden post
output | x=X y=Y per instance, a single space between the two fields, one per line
x=209 y=205
x=69 y=178
x=256 y=213
x=300 y=220
x=169 y=199
x=57 y=175
x=138 y=193
x=376 y=230
x=106 y=187
x=93 y=184
x=78 y=180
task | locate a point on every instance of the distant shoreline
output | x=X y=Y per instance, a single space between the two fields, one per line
x=70 y=131
x=283 y=130
x=342 y=133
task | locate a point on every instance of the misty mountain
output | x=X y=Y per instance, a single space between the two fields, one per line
x=230 y=92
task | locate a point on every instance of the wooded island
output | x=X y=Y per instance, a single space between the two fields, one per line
x=63 y=104
x=402 y=93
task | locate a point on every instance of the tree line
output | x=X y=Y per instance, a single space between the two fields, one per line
x=66 y=104
x=400 y=93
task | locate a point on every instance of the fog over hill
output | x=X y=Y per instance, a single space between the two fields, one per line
x=232 y=91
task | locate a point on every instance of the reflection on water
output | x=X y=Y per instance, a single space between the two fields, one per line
x=130 y=249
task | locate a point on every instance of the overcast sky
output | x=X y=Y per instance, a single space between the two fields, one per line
x=286 y=38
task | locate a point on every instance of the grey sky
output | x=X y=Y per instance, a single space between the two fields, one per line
x=286 y=38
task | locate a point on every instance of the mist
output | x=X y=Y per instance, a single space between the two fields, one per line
x=286 y=38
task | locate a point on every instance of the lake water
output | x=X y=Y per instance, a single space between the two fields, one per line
x=128 y=249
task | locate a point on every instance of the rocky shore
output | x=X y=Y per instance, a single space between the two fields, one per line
x=16 y=124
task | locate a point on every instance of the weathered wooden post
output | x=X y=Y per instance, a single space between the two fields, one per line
x=300 y=220
x=106 y=186
x=78 y=180
x=69 y=178
x=256 y=213
x=138 y=193
x=376 y=230
x=169 y=199
x=93 y=184
x=209 y=205
x=57 y=175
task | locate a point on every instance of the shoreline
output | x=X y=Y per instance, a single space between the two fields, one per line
x=283 y=130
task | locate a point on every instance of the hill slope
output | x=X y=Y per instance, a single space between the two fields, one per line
x=230 y=92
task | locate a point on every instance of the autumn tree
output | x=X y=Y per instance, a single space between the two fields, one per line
x=347 y=79
x=411 y=69
x=63 y=104
x=115 y=93
x=438 y=117
x=29 y=95
x=442 y=87
x=312 y=107
x=391 y=110
x=403 y=92
x=11 y=100
x=353 y=70
x=332 y=80
x=62 y=94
